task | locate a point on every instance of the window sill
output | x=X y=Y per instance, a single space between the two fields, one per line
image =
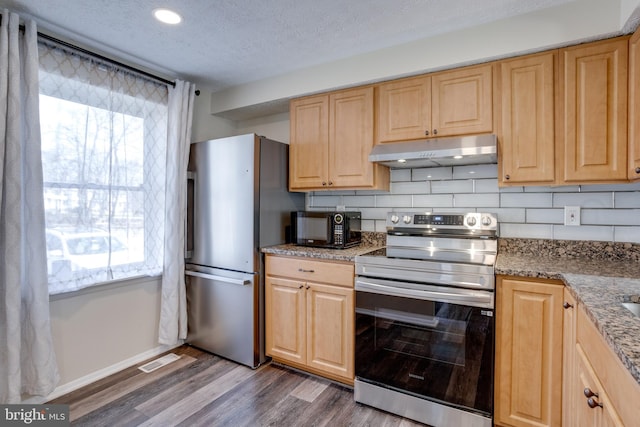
x=99 y=287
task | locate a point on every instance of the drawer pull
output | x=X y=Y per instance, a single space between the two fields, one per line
x=593 y=403
x=589 y=393
x=302 y=270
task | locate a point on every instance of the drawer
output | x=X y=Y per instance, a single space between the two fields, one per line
x=311 y=270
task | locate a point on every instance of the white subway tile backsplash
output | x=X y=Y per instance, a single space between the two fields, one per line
x=526 y=200
x=354 y=202
x=626 y=234
x=397 y=175
x=433 y=201
x=584 y=200
x=475 y=171
x=610 y=216
x=609 y=212
x=452 y=186
x=583 y=232
x=545 y=216
x=416 y=187
x=485 y=186
x=509 y=214
x=627 y=199
x=393 y=201
x=482 y=201
x=428 y=174
x=526 y=231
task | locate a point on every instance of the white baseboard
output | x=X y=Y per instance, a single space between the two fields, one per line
x=63 y=389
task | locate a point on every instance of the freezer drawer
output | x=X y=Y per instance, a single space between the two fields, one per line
x=224 y=314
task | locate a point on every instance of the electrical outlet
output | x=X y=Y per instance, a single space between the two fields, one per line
x=572 y=215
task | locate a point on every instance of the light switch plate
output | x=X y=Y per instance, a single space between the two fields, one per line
x=572 y=215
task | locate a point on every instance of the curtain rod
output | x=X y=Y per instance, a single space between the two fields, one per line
x=104 y=58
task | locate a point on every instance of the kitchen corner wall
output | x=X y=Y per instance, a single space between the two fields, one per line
x=608 y=212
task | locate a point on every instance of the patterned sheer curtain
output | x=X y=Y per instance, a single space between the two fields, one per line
x=27 y=362
x=104 y=141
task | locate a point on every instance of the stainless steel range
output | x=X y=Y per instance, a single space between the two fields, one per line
x=424 y=319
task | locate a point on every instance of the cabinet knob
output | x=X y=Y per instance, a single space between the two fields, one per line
x=308 y=286
x=593 y=403
x=567 y=305
x=507 y=177
x=324 y=184
x=435 y=131
x=637 y=170
x=330 y=182
x=426 y=132
x=589 y=393
x=301 y=286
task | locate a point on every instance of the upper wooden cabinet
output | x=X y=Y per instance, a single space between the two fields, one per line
x=528 y=379
x=527 y=127
x=592 y=137
x=457 y=102
x=634 y=106
x=331 y=138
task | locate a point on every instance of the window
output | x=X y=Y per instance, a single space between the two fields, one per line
x=104 y=136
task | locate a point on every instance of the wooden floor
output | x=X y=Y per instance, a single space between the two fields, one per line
x=200 y=389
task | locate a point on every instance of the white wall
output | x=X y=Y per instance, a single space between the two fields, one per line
x=608 y=212
x=551 y=27
x=101 y=330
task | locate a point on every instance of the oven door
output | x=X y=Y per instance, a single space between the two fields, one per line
x=433 y=342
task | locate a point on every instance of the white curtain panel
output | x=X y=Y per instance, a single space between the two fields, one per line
x=27 y=361
x=173 y=313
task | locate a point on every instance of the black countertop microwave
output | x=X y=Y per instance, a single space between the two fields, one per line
x=336 y=230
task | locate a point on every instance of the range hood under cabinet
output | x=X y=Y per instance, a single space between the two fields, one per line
x=433 y=152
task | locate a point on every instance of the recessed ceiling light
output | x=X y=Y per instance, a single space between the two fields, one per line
x=457 y=157
x=402 y=161
x=167 y=16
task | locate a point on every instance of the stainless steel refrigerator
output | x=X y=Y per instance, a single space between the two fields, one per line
x=238 y=202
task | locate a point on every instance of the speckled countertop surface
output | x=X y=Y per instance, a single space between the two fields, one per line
x=600 y=275
x=600 y=285
x=348 y=254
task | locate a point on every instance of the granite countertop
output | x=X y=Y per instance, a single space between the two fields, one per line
x=348 y=254
x=600 y=285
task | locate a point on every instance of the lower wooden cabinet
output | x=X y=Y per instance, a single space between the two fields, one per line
x=599 y=391
x=309 y=316
x=528 y=379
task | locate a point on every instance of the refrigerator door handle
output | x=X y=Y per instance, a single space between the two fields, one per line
x=190 y=218
x=240 y=282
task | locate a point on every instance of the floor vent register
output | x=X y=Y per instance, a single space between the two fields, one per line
x=159 y=362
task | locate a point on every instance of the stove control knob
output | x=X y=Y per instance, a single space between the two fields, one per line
x=471 y=221
x=407 y=219
x=486 y=221
x=395 y=219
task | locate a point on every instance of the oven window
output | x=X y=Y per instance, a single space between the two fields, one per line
x=437 y=350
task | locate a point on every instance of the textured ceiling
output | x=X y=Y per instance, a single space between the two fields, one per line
x=223 y=43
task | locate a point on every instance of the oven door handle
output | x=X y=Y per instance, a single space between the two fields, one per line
x=482 y=299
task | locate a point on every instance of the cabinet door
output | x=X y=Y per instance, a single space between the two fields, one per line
x=528 y=353
x=600 y=413
x=404 y=109
x=462 y=101
x=569 y=397
x=593 y=81
x=309 y=145
x=330 y=333
x=634 y=106
x=351 y=138
x=285 y=323
x=527 y=137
